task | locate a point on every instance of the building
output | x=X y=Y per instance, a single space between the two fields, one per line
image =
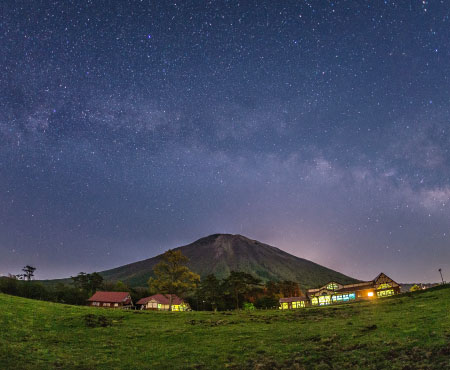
x=161 y=302
x=334 y=292
x=293 y=302
x=111 y=300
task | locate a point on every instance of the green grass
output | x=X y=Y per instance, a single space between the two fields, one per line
x=408 y=332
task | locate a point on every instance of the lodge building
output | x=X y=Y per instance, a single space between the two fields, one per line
x=333 y=292
x=161 y=302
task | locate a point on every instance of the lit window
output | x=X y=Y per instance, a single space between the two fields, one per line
x=384 y=286
x=351 y=296
x=314 y=301
x=370 y=294
x=332 y=286
x=324 y=300
x=385 y=293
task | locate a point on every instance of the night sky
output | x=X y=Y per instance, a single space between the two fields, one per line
x=319 y=127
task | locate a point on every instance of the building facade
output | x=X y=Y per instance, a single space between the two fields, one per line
x=161 y=302
x=334 y=292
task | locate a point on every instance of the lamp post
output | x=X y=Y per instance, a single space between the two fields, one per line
x=440 y=271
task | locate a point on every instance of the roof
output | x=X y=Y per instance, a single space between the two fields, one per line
x=161 y=298
x=111 y=297
x=292 y=299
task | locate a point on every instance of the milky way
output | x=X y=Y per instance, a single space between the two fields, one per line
x=130 y=127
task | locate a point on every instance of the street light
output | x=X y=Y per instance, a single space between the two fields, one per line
x=440 y=271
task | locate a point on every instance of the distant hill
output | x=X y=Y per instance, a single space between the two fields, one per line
x=219 y=254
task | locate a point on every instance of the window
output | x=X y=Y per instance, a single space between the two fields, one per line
x=385 y=293
x=96 y=303
x=116 y=305
x=370 y=294
x=332 y=286
x=106 y=304
x=298 y=304
x=324 y=300
x=351 y=296
x=384 y=286
x=314 y=301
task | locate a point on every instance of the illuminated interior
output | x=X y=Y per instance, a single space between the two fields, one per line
x=343 y=297
x=298 y=304
x=384 y=286
x=332 y=286
x=370 y=294
x=314 y=301
x=385 y=293
x=324 y=300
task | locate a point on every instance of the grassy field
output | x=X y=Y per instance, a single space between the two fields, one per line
x=408 y=332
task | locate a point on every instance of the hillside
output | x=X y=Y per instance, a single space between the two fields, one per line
x=402 y=332
x=220 y=253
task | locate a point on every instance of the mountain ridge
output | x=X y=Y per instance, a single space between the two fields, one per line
x=219 y=254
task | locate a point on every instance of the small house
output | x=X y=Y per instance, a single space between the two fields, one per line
x=111 y=300
x=161 y=302
x=292 y=302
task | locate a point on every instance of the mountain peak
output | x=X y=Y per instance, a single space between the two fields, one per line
x=219 y=254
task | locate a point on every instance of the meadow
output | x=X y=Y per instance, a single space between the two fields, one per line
x=411 y=331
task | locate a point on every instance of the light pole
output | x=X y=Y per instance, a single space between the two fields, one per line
x=440 y=271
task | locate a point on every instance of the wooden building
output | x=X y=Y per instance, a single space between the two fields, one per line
x=293 y=302
x=111 y=300
x=334 y=292
x=161 y=302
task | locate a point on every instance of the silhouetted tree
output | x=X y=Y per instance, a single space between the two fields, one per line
x=28 y=272
x=210 y=290
x=88 y=282
x=239 y=283
x=172 y=276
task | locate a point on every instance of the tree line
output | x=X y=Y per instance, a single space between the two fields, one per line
x=171 y=276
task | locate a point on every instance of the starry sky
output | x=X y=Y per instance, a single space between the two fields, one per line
x=320 y=127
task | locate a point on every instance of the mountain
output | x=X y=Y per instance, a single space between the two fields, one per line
x=221 y=253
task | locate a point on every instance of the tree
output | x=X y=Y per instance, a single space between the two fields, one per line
x=28 y=272
x=211 y=291
x=172 y=276
x=88 y=282
x=239 y=283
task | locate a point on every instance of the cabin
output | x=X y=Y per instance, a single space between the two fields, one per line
x=334 y=293
x=161 y=302
x=111 y=300
x=293 y=302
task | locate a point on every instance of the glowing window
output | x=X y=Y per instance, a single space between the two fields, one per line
x=332 y=286
x=370 y=294
x=384 y=286
x=351 y=296
x=314 y=301
x=385 y=293
x=298 y=304
x=345 y=297
x=324 y=300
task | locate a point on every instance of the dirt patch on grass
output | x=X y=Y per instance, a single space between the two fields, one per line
x=95 y=321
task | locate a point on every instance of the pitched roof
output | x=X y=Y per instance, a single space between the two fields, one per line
x=111 y=297
x=161 y=298
x=292 y=299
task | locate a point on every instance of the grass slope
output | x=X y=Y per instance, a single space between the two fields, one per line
x=408 y=332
